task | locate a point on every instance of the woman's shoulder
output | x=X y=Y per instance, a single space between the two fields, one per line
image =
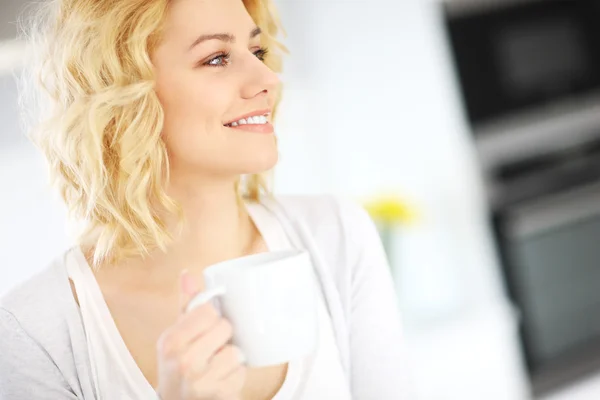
x=42 y=334
x=340 y=227
x=40 y=304
x=327 y=211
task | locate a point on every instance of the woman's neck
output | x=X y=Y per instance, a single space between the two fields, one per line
x=217 y=227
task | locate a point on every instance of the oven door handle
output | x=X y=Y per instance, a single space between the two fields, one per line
x=547 y=213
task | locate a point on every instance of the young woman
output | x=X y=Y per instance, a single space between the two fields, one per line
x=158 y=133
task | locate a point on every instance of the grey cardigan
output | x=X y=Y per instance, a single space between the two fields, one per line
x=43 y=352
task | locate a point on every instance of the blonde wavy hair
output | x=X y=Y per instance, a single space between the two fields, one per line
x=90 y=105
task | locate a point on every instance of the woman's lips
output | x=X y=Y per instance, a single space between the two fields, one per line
x=258 y=128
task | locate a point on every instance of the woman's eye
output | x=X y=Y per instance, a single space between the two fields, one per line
x=222 y=60
x=261 y=53
x=219 y=61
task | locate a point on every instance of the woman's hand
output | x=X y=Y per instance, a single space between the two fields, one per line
x=195 y=361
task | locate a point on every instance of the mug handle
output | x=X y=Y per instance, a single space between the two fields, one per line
x=204 y=297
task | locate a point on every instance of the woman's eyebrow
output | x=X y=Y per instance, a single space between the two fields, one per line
x=224 y=37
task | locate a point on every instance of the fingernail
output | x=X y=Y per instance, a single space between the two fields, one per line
x=187 y=283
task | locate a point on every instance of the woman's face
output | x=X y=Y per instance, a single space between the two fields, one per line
x=210 y=73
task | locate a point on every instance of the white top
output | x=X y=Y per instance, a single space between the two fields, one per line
x=321 y=375
x=44 y=346
x=117 y=376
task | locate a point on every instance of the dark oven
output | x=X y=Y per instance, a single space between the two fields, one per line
x=505 y=53
x=547 y=225
x=529 y=76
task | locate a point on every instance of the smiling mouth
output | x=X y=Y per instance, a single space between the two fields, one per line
x=256 y=120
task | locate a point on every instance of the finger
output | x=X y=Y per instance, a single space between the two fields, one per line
x=226 y=361
x=188 y=288
x=233 y=384
x=228 y=388
x=187 y=330
x=199 y=357
x=202 y=319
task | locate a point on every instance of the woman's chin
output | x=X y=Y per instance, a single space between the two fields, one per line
x=261 y=163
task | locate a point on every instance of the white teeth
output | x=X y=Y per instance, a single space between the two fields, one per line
x=255 y=120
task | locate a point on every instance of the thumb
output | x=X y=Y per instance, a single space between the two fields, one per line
x=189 y=288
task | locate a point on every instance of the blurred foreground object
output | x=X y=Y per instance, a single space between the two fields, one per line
x=390 y=212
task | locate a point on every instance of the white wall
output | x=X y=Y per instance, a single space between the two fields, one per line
x=31 y=219
x=375 y=109
x=11 y=54
x=380 y=112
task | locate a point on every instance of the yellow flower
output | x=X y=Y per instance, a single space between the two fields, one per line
x=390 y=210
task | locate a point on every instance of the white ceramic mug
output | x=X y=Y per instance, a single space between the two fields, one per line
x=270 y=299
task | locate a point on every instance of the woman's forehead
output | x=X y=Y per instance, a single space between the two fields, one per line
x=194 y=17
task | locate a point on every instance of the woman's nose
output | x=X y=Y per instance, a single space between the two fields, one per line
x=260 y=79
